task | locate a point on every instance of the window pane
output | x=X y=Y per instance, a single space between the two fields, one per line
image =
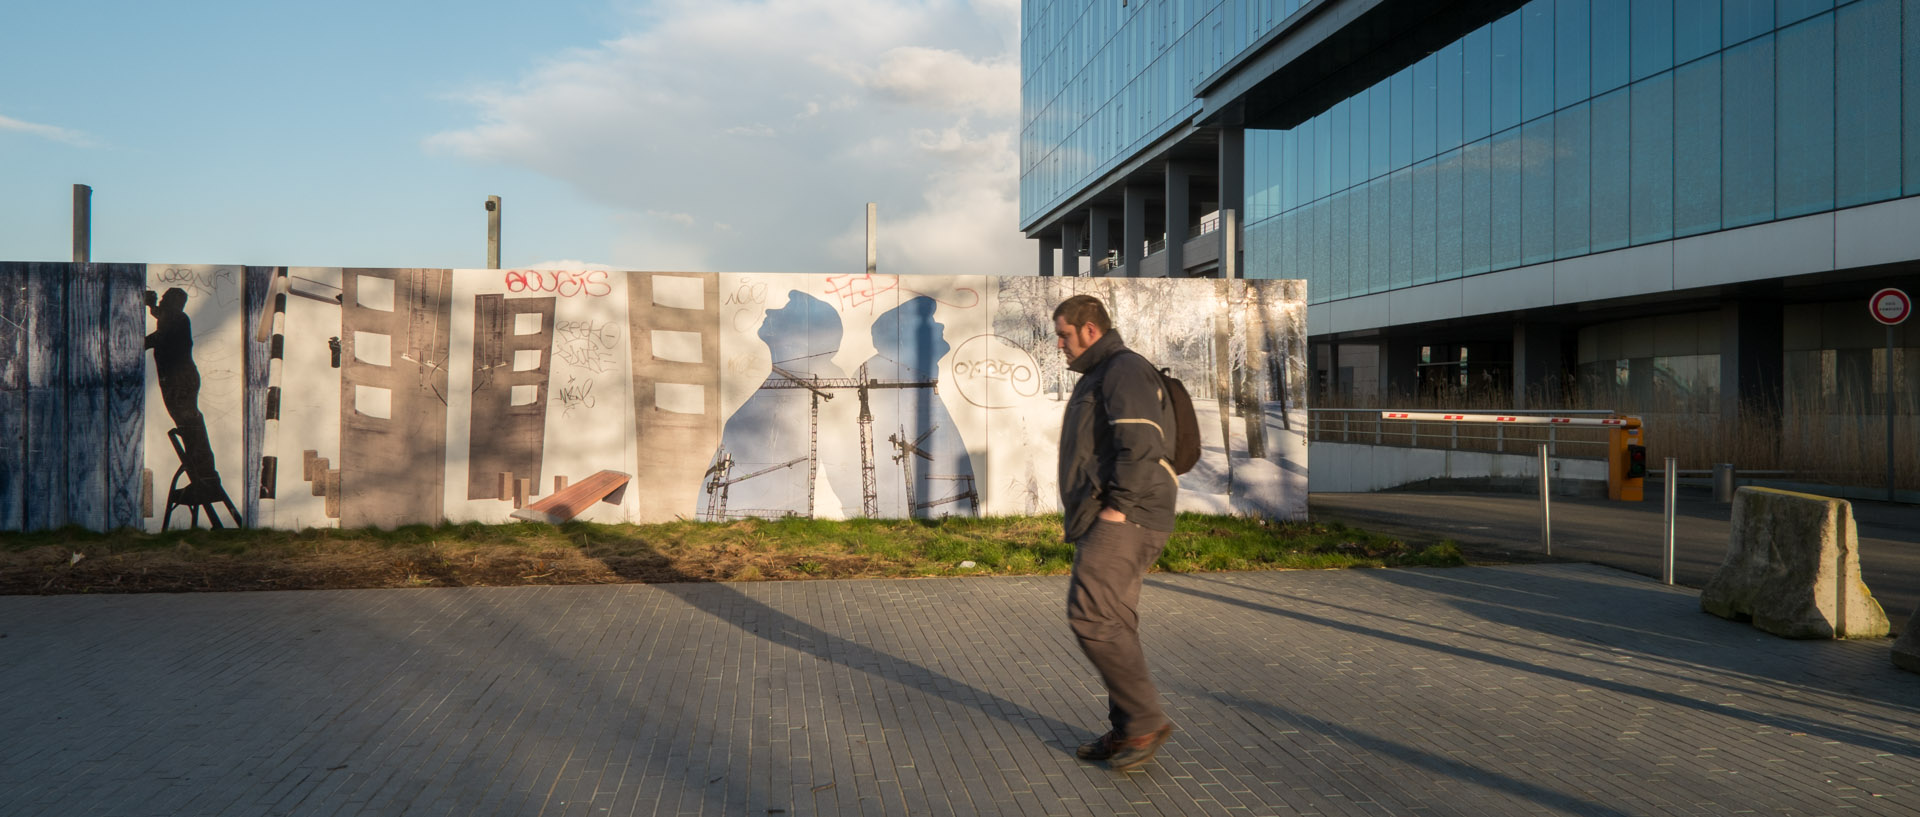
x=1910 y=78
x=1339 y=141
x=1746 y=116
x=1321 y=224
x=1652 y=34
x=1424 y=197
x=1743 y=20
x=1401 y=119
x=1426 y=99
x=1793 y=11
x=1536 y=59
x=1447 y=218
x=1611 y=142
x=1506 y=199
x=1805 y=124
x=1572 y=196
x=1867 y=103
x=1696 y=29
x=1536 y=191
x=1476 y=85
x=1400 y=213
x=1476 y=207
x=1322 y=156
x=1609 y=45
x=1359 y=241
x=1359 y=138
x=1506 y=71
x=1380 y=128
x=1447 y=98
x=1342 y=239
x=1379 y=232
x=1572 y=52
x=1696 y=147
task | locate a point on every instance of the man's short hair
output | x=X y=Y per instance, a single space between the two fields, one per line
x=1081 y=310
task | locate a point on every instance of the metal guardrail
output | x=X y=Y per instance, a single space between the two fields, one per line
x=1368 y=427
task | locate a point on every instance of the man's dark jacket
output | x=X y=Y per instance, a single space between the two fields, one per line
x=1114 y=448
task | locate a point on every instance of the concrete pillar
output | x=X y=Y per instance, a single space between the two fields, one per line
x=1099 y=237
x=1232 y=169
x=1537 y=364
x=1399 y=370
x=1751 y=359
x=1179 y=179
x=1070 y=241
x=1047 y=245
x=1334 y=395
x=1133 y=230
x=82 y=224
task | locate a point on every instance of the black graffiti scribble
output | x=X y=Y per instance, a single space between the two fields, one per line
x=576 y=394
x=586 y=345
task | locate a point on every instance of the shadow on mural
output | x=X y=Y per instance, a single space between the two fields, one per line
x=317 y=397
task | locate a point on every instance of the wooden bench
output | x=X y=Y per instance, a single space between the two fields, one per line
x=563 y=506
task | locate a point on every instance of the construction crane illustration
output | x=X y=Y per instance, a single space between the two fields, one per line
x=718 y=481
x=905 y=451
x=863 y=384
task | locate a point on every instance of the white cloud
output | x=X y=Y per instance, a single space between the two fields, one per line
x=749 y=135
x=57 y=134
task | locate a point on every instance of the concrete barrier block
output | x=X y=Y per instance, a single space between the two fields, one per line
x=1793 y=568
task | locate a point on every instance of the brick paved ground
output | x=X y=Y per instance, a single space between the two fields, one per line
x=1545 y=689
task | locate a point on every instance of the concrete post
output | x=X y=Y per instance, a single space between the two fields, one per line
x=1752 y=358
x=82 y=224
x=1179 y=179
x=1536 y=363
x=1070 y=241
x=1133 y=229
x=872 y=238
x=493 y=232
x=1232 y=170
x=1047 y=246
x=1099 y=236
x=1230 y=243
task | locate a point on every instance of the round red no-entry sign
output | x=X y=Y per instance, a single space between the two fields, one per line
x=1890 y=306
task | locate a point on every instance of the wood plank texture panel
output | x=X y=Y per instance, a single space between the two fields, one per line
x=86 y=417
x=46 y=507
x=13 y=395
x=126 y=392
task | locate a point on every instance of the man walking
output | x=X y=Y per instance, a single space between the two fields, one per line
x=1118 y=492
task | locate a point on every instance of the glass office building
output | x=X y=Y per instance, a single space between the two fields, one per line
x=1675 y=204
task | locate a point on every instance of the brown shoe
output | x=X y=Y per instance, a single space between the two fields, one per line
x=1099 y=748
x=1131 y=753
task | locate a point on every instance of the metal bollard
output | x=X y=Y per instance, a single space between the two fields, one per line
x=1723 y=478
x=1546 y=516
x=1671 y=487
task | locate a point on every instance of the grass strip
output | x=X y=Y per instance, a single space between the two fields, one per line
x=73 y=560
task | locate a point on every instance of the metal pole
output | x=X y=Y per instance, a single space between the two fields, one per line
x=1673 y=508
x=1890 y=374
x=493 y=232
x=83 y=227
x=872 y=236
x=1546 y=515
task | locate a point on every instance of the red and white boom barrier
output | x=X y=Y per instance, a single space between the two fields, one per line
x=1435 y=416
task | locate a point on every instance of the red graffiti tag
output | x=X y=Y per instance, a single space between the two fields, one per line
x=564 y=283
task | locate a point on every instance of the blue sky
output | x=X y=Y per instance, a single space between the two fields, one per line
x=721 y=135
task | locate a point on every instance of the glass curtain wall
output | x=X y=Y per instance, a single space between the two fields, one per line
x=1572 y=127
x=1101 y=78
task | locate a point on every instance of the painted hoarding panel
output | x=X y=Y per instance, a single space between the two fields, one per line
x=411 y=396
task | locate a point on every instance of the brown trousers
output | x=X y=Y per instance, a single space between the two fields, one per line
x=1103 y=602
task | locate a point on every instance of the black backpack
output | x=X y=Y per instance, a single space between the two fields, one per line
x=1186 y=442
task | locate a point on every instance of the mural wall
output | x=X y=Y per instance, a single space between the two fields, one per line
x=312 y=397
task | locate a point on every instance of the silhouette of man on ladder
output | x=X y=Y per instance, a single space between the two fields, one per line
x=172 y=345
